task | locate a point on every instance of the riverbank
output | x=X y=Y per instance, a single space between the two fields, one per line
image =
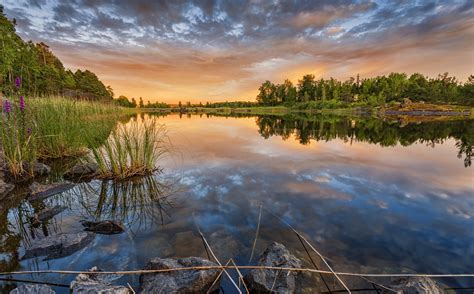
x=413 y=110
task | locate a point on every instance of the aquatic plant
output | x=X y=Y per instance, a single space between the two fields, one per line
x=132 y=150
x=17 y=137
x=65 y=127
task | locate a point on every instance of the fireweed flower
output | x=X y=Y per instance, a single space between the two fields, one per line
x=7 y=107
x=22 y=103
x=18 y=82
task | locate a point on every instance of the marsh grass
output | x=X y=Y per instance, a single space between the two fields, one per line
x=67 y=128
x=18 y=143
x=132 y=150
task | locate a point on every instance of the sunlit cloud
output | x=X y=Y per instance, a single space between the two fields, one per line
x=223 y=50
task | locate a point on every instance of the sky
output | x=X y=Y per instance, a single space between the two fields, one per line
x=223 y=50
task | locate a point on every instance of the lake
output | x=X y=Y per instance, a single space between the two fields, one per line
x=372 y=195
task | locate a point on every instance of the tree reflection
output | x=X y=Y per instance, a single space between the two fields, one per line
x=371 y=130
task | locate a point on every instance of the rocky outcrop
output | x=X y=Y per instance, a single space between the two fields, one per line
x=274 y=281
x=46 y=214
x=107 y=227
x=95 y=283
x=40 y=191
x=414 y=285
x=188 y=281
x=32 y=289
x=81 y=171
x=57 y=246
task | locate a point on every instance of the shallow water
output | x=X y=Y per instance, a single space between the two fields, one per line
x=371 y=196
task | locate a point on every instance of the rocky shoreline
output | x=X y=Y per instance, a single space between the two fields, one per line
x=199 y=279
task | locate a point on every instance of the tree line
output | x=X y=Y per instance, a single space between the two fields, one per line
x=132 y=103
x=41 y=72
x=370 y=91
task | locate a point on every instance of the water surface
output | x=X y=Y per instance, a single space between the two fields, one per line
x=372 y=196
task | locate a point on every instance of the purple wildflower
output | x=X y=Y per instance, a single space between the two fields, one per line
x=28 y=131
x=18 y=82
x=22 y=103
x=7 y=107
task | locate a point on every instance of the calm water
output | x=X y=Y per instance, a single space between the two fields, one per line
x=372 y=196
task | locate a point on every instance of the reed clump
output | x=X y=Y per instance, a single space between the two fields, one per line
x=132 y=150
x=67 y=127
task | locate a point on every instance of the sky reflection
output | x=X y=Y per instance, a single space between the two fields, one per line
x=367 y=208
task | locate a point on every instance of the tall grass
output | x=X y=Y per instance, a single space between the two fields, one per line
x=17 y=138
x=54 y=127
x=67 y=127
x=132 y=150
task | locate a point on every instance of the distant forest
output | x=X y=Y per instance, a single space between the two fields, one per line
x=372 y=91
x=41 y=72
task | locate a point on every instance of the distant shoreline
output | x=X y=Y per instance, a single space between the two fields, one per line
x=414 y=110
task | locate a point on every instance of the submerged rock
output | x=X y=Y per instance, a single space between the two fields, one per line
x=47 y=214
x=274 y=281
x=94 y=283
x=40 y=191
x=414 y=285
x=79 y=171
x=107 y=227
x=32 y=289
x=57 y=246
x=187 y=281
x=5 y=188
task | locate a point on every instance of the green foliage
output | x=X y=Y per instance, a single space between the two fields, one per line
x=66 y=127
x=17 y=139
x=132 y=150
x=43 y=74
x=372 y=92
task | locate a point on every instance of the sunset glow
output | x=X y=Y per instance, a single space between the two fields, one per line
x=223 y=50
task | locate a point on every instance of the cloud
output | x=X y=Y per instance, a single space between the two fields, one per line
x=222 y=50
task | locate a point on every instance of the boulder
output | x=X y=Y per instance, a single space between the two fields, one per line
x=57 y=246
x=5 y=188
x=86 y=170
x=95 y=283
x=47 y=214
x=414 y=285
x=32 y=289
x=40 y=191
x=107 y=227
x=40 y=169
x=187 y=281
x=274 y=281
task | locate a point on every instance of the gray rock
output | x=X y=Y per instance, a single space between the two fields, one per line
x=274 y=281
x=94 y=283
x=32 y=289
x=107 y=227
x=5 y=188
x=57 y=246
x=47 y=214
x=79 y=171
x=40 y=191
x=188 y=281
x=40 y=169
x=415 y=285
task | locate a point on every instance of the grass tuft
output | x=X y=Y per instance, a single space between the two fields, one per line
x=132 y=150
